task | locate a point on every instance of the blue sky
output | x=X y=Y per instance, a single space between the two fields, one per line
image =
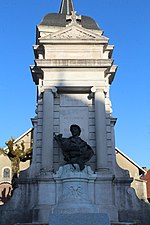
x=126 y=23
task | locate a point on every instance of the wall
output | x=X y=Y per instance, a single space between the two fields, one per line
x=137 y=184
x=146 y=178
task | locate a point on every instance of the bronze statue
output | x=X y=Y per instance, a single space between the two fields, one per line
x=75 y=150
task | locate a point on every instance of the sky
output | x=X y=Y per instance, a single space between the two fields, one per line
x=127 y=25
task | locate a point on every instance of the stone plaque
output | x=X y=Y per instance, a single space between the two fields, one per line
x=74 y=115
x=74 y=100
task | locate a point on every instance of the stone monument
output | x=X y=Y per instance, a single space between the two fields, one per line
x=73 y=180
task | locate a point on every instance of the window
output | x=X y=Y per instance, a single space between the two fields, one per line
x=6 y=173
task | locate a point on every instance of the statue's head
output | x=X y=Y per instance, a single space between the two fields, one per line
x=75 y=130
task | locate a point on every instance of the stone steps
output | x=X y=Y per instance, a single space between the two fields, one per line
x=123 y=223
x=30 y=224
x=113 y=223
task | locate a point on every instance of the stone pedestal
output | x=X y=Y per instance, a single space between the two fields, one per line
x=75 y=198
x=75 y=190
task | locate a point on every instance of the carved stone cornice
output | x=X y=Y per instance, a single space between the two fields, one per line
x=75 y=63
x=76 y=40
x=37 y=73
x=111 y=73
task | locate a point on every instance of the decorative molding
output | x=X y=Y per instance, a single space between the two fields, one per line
x=99 y=63
x=73 y=31
x=52 y=89
x=73 y=192
x=74 y=172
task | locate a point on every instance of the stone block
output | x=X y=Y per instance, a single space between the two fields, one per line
x=109 y=136
x=92 y=108
x=40 y=115
x=108 y=128
x=124 y=223
x=56 y=108
x=91 y=129
x=56 y=122
x=92 y=143
x=92 y=136
x=79 y=219
x=92 y=121
x=57 y=101
x=39 y=128
x=40 y=121
x=91 y=115
x=56 y=129
x=30 y=224
x=56 y=115
x=40 y=107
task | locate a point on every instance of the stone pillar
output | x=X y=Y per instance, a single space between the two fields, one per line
x=47 y=138
x=32 y=168
x=100 y=122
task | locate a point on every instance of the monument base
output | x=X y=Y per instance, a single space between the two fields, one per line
x=79 y=219
x=113 y=223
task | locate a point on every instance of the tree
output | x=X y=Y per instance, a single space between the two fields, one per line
x=16 y=153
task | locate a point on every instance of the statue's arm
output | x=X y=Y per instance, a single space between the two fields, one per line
x=58 y=139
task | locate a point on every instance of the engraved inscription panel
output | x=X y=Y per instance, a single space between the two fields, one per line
x=74 y=115
x=74 y=100
x=74 y=110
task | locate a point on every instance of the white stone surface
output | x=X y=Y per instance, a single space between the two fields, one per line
x=74 y=115
x=75 y=100
x=75 y=189
x=79 y=219
x=100 y=117
x=47 y=138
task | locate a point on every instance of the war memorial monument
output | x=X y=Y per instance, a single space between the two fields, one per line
x=73 y=178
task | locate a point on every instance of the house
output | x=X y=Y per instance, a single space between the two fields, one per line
x=6 y=169
x=135 y=172
x=146 y=177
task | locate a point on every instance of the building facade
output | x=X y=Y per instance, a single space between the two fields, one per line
x=6 y=166
x=146 y=178
x=135 y=171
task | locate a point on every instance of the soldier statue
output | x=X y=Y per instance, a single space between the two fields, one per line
x=75 y=150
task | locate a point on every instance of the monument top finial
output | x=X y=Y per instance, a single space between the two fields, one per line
x=66 y=7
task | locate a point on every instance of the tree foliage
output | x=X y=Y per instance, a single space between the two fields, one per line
x=16 y=153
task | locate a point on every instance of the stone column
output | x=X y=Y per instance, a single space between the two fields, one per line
x=100 y=120
x=32 y=168
x=47 y=138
